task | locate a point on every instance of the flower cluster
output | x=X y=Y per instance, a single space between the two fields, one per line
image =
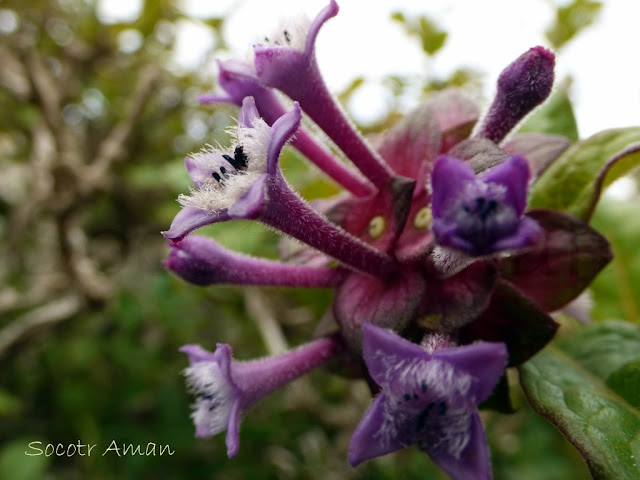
x=442 y=277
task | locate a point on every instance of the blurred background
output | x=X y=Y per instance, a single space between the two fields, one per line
x=97 y=111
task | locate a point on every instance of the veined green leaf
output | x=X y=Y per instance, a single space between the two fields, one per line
x=585 y=385
x=574 y=182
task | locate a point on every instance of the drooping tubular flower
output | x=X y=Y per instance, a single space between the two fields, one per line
x=432 y=239
x=226 y=388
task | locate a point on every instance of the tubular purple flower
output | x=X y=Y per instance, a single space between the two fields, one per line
x=429 y=399
x=247 y=184
x=226 y=389
x=482 y=215
x=522 y=86
x=239 y=80
x=203 y=261
x=290 y=66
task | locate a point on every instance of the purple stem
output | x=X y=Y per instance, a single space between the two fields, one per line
x=318 y=154
x=257 y=378
x=311 y=92
x=291 y=215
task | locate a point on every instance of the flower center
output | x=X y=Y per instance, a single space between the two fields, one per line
x=483 y=217
x=239 y=161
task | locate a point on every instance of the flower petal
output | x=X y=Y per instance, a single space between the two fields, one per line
x=449 y=176
x=514 y=175
x=368 y=440
x=473 y=463
x=281 y=131
x=232 y=438
x=251 y=203
x=379 y=344
x=248 y=112
x=189 y=219
x=485 y=361
x=526 y=236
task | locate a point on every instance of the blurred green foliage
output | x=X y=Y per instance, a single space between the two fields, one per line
x=109 y=369
x=432 y=38
x=571 y=19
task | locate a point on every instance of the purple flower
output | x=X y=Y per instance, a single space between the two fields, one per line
x=429 y=400
x=233 y=183
x=203 y=261
x=239 y=80
x=482 y=215
x=413 y=245
x=225 y=388
x=288 y=62
x=246 y=183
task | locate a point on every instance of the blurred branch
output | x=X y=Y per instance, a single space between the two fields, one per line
x=111 y=149
x=39 y=318
x=93 y=283
x=262 y=312
x=13 y=75
x=47 y=90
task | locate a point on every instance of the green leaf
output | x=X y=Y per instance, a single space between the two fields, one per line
x=616 y=291
x=587 y=385
x=573 y=183
x=571 y=19
x=554 y=116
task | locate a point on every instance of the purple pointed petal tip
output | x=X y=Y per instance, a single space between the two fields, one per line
x=232 y=438
x=473 y=463
x=325 y=14
x=281 y=132
x=196 y=353
x=376 y=340
x=365 y=444
x=514 y=174
x=484 y=361
x=248 y=112
x=275 y=62
x=449 y=174
x=215 y=99
x=189 y=219
x=528 y=234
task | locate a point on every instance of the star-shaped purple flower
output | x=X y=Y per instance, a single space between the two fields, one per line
x=429 y=397
x=482 y=215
